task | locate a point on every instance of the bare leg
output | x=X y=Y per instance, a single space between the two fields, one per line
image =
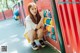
x=40 y=37
x=32 y=35
x=40 y=33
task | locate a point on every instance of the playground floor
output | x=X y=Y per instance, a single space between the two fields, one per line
x=11 y=35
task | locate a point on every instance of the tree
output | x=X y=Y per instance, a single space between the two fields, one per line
x=7 y=4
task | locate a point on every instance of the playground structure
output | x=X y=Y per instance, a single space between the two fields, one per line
x=6 y=14
x=63 y=25
x=65 y=14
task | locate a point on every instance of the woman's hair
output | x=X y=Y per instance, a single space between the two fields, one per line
x=31 y=15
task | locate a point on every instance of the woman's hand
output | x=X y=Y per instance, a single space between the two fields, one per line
x=40 y=24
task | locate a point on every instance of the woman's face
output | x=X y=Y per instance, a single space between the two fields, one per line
x=33 y=10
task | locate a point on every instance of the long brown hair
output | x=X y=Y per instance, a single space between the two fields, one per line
x=32 y=17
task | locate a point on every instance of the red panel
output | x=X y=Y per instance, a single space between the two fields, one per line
x=25 y=3
x=73 y=27
x=67 y=26
x=39 y=6
x=44 y=4
x=1 y=16
x=78 y=24
x=77 y=1
x=70 y=25
x=77 y=18
x=66 y=21
x=53 y=43
x=8 y=13
x=63 y=28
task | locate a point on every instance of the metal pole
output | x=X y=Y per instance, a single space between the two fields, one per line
x=23 y=8
x=60 y=38
x=3 y=14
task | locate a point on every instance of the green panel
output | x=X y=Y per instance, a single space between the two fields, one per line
x=60 y=38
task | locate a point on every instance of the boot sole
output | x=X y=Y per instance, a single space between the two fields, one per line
x=34 y=48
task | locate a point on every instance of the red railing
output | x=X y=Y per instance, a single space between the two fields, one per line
x=1 y=16
x=8 y=14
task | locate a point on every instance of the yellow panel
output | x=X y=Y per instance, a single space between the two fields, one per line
x=52 y=23
x=48 y=28
x=44 y=21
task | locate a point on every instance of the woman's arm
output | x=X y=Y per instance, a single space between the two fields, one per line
x=41 y=24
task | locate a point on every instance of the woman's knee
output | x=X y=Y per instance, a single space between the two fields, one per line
x=40 y=31
x=31 y=34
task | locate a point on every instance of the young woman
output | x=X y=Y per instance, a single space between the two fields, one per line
x=34 y=26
